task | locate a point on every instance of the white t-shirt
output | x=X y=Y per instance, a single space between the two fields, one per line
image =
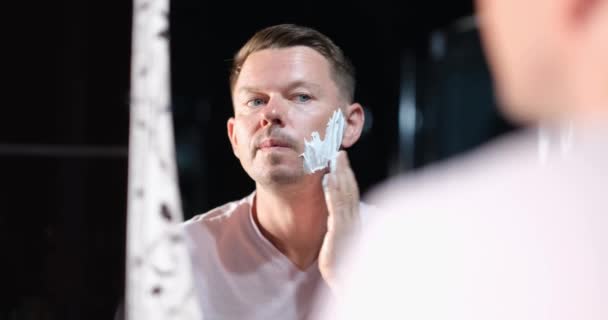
x=497 y=235
x=239 y=274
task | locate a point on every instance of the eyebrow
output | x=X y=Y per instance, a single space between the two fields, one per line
x=290 y=86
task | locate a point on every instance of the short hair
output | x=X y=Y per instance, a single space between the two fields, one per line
x=290 y=35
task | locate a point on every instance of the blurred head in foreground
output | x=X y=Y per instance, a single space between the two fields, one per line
x=548 y=57
x=498 y=234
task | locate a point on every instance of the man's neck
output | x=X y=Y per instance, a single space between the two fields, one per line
x=293 y=218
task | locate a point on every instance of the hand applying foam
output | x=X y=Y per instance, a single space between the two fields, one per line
x=343 y=221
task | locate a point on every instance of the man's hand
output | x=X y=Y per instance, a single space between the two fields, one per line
x=343 y=221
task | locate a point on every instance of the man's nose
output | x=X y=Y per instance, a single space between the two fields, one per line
x=274 y=112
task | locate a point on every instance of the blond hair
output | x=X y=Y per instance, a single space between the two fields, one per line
x=290 y=35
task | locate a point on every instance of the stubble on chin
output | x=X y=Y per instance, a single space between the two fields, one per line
x=280 y=176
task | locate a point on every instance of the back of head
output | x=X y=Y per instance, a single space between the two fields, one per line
x=290 y=35
x=548 y=57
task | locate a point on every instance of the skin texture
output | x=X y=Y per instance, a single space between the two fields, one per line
x=280 y=97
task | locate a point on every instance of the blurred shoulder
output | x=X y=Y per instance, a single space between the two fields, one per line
x=219 y=217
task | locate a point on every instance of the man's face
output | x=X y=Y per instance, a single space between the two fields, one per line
x=280 y=97
x=522 y=41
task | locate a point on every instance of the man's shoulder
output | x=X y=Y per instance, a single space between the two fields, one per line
x=505 y=176
x=219 y=215
x=488 y=171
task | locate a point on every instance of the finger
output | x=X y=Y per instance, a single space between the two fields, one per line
x=341 y=167
x=345 y=176
x=333 y=164
x=348 y=185
x=342 y=158
x=329 y=188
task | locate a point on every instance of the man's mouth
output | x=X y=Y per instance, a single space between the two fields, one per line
x=271 y=143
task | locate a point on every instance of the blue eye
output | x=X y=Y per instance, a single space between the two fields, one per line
x=303 y=98
x=255 y=102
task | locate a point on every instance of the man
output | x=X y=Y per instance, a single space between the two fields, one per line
x=518 y=230
x=265 y=256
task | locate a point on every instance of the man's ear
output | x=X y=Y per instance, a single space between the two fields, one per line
x=581 y=11
x=355 y=118
x=232 y=135
x=587 y=41
x=591 y=16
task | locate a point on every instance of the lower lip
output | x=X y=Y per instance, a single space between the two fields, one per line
x=274 y=148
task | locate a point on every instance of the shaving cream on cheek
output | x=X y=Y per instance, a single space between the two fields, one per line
x=319 y=152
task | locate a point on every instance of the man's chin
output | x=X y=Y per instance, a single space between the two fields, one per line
x=280 y=176
x=279 y=181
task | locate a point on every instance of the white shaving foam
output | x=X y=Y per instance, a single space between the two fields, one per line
x=318 y=152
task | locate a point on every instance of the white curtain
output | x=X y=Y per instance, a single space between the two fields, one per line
x=159 y=273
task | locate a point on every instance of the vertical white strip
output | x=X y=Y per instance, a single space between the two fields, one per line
x=159 y=272
x=407 y=116
x=555 y=141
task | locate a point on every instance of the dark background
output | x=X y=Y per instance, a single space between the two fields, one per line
x=421 y=77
